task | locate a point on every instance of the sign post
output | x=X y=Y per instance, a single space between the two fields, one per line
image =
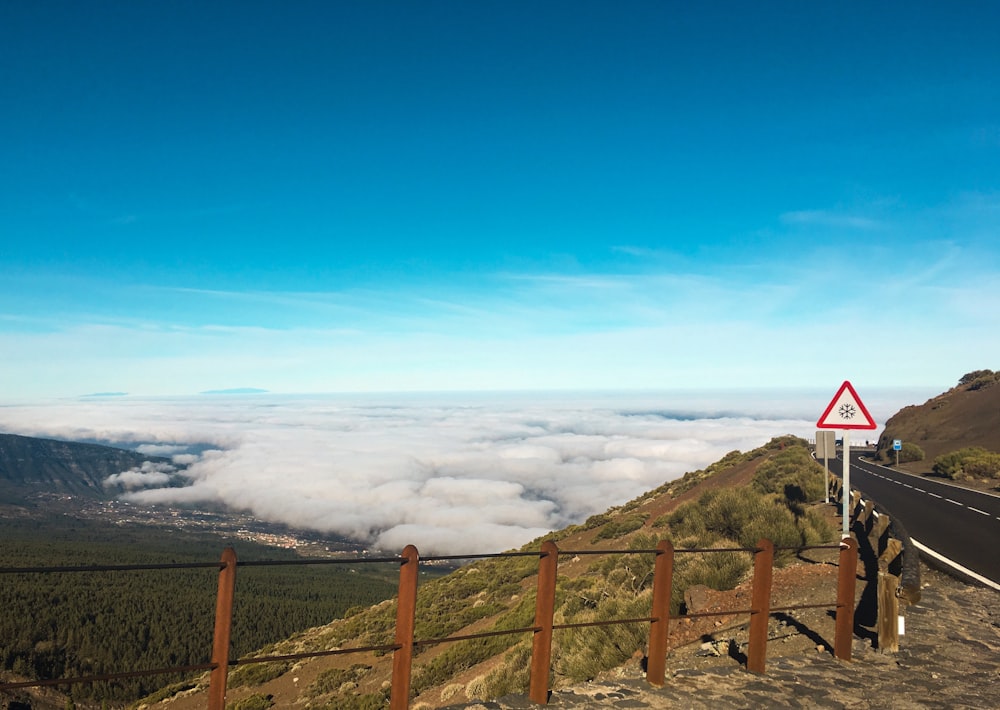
x=826 y=446
x=897 y=444
x=846 y=411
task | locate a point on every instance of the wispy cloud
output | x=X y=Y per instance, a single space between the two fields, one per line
x=124 y=215
x=829 y=218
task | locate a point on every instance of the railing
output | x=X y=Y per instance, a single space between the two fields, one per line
x=542 y=629
x=888 y=557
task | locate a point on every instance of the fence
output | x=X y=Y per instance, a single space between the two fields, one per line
x=542 y=630
x=889 y=559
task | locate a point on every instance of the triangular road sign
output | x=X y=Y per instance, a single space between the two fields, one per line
x=846 y=411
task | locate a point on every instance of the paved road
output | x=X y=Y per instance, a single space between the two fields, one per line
x=960 y=524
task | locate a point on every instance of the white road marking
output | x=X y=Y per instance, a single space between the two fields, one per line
x=955 y=502
x=934 y=494
x=923 y=548
x=977 y=510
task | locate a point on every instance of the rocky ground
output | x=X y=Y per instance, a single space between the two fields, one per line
x=949 y=657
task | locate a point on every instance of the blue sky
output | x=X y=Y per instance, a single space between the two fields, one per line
x=333 y=196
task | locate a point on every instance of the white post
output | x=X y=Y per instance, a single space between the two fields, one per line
x=847 y=484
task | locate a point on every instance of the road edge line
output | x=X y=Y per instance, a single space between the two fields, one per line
x=963 y=571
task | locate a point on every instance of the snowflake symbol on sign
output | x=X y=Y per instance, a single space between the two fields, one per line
x=847 y=411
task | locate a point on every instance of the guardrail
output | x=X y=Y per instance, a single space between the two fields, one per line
x=542 y=629
x=889 y=557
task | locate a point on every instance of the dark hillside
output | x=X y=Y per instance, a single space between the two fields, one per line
x=29 y=465
x=84 y=623
x=967 y=415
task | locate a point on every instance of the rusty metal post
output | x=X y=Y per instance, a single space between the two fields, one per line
x=847 y=574
x=545 y=606
x=763 y=565
x=406 y=609
x=659 y=628
x=223 y=630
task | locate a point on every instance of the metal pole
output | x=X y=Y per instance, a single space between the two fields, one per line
x=763 y=565
x=402 y=657
x=846 y=582
x=545 y=603
x=223 y=630
x=846 y=531
x=663 y=575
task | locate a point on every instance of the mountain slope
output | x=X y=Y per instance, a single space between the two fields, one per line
x=30 y=465
x=966 y=415
x=734 y=502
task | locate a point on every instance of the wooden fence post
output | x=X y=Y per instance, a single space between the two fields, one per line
x=888 y=600
x=406 y=609
x=659 y=628
x=878 y=530
x=866 y=516
x=223 y=630
x=545 y=604
x=847 y=574
x=763 y=565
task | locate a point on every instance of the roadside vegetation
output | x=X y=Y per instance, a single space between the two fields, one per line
x=969 y=463
x=778 y=503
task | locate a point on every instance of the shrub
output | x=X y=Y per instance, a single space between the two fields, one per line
x=910 y=452
x=581 y=653
x=511 y=676
x=718 y=570
x=972 y=462
x=256 y=673
x=772 y=507
x=252 y=702
x=368 y=701
x=465 y=654
x=978 y=377
x=793 y=473
x=622 y=526
x=331 y=680
x=168 y=691
x=744 y=516
x=985 y=465
x=596 y=521
x=816 y=529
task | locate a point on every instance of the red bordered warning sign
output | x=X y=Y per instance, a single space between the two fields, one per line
x=846 y=411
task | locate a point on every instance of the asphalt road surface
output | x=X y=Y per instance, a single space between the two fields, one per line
x=959 y=524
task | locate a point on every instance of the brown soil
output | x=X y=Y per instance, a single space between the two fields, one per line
x=958 y=418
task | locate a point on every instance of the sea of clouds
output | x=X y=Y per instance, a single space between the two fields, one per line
x=448 y=473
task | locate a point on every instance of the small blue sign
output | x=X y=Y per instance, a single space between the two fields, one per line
x=897 y=444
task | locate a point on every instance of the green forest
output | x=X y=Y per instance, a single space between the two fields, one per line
x=72 y=624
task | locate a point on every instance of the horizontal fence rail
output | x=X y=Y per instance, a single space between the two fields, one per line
x=542 y=630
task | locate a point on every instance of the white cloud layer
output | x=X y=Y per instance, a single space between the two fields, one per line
x=451 y=474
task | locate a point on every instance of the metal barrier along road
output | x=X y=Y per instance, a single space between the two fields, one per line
x=542 y=629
